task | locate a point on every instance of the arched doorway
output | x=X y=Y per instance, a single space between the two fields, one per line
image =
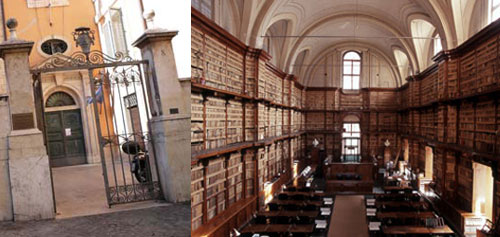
x=351 y=139
x=64 y=130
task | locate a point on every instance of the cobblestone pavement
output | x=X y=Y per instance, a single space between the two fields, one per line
x=172 y=220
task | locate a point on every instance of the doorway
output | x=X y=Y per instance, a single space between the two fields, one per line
x=351 y=144
x=65 y=140
x=482 y=191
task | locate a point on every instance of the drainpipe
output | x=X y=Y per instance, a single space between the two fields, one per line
x=141 y=4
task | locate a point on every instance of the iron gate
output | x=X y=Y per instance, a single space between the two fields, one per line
x=120 y=100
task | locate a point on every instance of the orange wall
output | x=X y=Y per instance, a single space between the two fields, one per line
x=35 y=23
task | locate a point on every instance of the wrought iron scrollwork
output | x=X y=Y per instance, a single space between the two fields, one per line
x=81 y=59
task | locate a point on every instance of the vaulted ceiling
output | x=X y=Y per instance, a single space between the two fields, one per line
x=301 y=30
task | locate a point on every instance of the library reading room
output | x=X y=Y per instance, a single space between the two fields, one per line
x=345 y=118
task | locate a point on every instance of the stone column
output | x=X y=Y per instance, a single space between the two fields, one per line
x=28 y=163
x=171 y=123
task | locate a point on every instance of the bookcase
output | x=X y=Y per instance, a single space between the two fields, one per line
x=263 y=167
x=441 y=122
x=451 y=133
x=196 y=122
x=250 y=75
x=250 y=121
x=315 y=121
x=272 y=121
x=197 y=59
x=234 y=178
x=414 y=90
x=428 y=87
x=234 y=76
x=263 y=78
x=234 y=122
x=315 y=100
x=271 y=162
x=485 y=131
x=487 y=62
x=238 y=102
x=197 y=189
x=468 y=73
x=215 y=178
x=215 y=116
x=279 y=121
x=428 y=128
x=452 y=77
x=466 y=126
x=442 y=81
x=249 y=159
x=263 y=120
x=286 y=121
x=330 y=121
x=464 y=184
x=215 y=61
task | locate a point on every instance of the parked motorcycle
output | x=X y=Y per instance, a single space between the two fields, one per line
x=138 y=165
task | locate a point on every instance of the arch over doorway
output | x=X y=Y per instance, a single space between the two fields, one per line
x=64 y=130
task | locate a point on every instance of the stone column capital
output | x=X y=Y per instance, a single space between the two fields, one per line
x=15 y=46
x=154 y=35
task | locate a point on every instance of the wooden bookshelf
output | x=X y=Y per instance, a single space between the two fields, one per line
x=215 y=115
x=234 y=122
x=197 y=190
x=197 y=131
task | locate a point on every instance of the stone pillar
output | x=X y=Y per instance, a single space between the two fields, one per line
x=171 y=123
x=28 y=163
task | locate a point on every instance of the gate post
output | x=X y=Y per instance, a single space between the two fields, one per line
x=28 y=163
x=171 y=122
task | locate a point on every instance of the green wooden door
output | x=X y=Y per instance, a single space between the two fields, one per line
x=65 y=141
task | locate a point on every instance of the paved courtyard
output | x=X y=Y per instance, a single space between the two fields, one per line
x=169 y=221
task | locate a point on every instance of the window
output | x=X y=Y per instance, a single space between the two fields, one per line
x=352 y=71
x=59 y=99
x=204 y=6
x=494 y=10
x=114 y=32
x=437 y=45
x=351 y=142
x=53 y=46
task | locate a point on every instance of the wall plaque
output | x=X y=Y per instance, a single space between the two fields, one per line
x=22 y=121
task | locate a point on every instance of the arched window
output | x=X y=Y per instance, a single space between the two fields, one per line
x=204 y=6
x=352 y=71
x=437 y=44
x=58 y=99
x=494 y=8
